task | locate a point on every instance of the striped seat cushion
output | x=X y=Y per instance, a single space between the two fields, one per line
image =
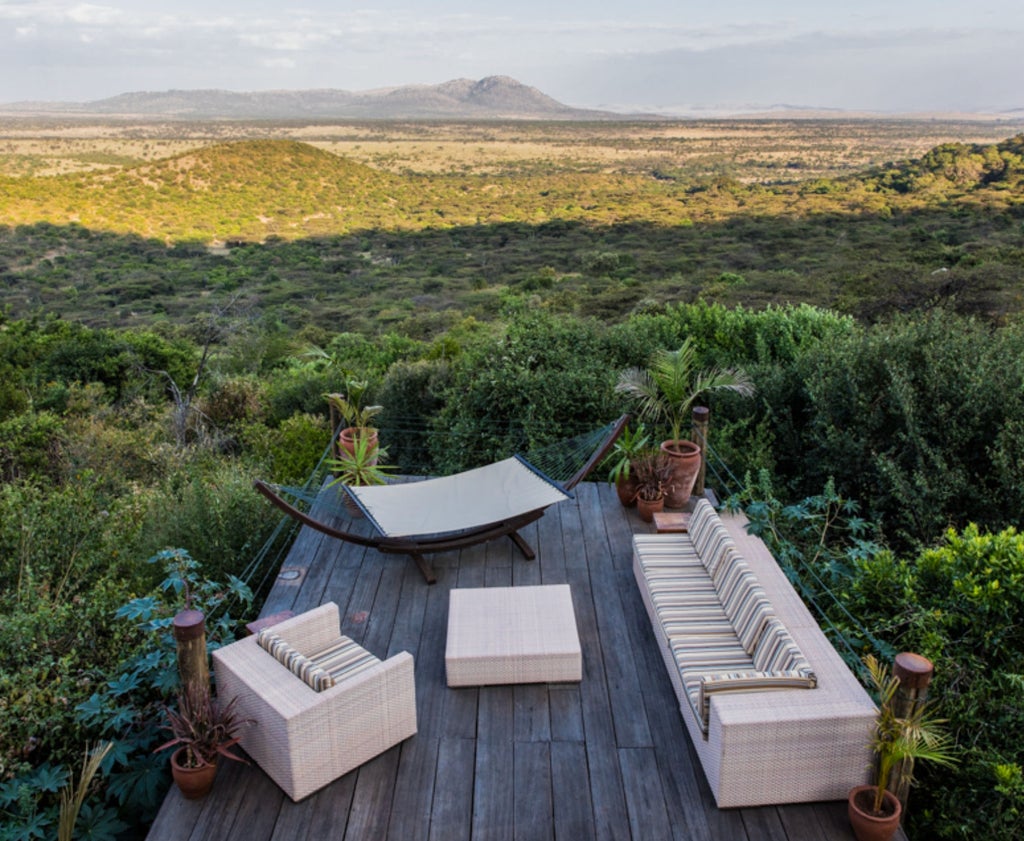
x=322 y=669
x=778 y=651
x=661 y=549
x=700 y=686
x=710 y=651
x=682 y=621
x=299 y=665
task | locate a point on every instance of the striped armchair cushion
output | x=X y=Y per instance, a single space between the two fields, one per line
x=323 y=669
x=299 y=665
x=777 y=651
x=343 y=659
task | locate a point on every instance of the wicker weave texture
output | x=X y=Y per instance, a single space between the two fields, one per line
x=499 y=635
x=305 y=739
x=782 y=745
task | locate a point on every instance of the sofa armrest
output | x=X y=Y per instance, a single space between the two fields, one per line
x=708 y=684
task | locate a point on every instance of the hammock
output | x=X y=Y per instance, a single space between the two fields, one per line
x=452 y=512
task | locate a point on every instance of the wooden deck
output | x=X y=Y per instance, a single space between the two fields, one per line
x=608 y=758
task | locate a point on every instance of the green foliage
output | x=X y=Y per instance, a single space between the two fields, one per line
x=544 y=379
x=958 y=604
x=212 y=511
x=30 y=445
x=919 y=419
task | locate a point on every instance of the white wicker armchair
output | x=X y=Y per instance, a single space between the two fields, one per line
x=304 y=739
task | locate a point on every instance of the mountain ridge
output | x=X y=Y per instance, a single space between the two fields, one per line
x=492 y=97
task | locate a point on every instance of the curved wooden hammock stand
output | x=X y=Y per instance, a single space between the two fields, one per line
x=417 y=546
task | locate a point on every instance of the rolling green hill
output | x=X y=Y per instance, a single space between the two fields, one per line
x=313 y=237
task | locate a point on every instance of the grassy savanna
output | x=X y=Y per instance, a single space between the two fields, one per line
x=750 y=150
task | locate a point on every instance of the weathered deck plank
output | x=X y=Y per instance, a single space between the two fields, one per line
x=607 y=758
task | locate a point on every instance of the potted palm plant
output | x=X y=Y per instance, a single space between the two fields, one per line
x=874 y=811
x=627 y=447
x=202 y=731
x=666 y=392
x=357 y=416
x=652 y=472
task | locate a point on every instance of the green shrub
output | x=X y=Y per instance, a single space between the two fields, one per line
x=211 y=511
x=30 y=445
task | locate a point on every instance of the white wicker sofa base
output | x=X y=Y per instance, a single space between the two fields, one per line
x=304 y=738
x=774 y=713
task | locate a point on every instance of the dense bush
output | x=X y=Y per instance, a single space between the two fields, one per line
x=919 y=418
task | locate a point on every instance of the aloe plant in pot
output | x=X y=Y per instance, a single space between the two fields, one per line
x=629 y=446
x=365 y=465
x=874 y=811
x=666 y=392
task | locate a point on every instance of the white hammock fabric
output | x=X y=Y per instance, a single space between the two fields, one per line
x=472 y=499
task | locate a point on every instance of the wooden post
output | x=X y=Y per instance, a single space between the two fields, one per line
x=699 y=435
x=915 y=675
x=190 y=636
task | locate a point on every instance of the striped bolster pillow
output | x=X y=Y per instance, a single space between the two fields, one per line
x=301 y=666
x=747 y=681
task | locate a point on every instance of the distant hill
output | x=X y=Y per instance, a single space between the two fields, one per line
x=494 y=97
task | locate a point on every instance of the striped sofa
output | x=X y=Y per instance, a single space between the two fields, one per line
x=774 y=713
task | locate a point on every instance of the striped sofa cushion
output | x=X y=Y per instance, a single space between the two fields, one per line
x=694 y=620
x=703 y=517
x=710 y=651
x=300 y=665
x=778 y=651
x=749 y=610
x=658 y=550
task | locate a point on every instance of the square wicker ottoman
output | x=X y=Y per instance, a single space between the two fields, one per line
x=512 y=635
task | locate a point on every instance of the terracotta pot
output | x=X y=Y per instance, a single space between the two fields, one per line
x=686 y=458
x=194 y=783
x=626 y=489
x=869 y=827
x=347 y=438
x=647 y=508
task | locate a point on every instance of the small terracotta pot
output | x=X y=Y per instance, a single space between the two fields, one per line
x=194 y=783
x=869 y=827
x=647 y=508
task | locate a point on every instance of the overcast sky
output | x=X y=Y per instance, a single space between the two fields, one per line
x=880 y=55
